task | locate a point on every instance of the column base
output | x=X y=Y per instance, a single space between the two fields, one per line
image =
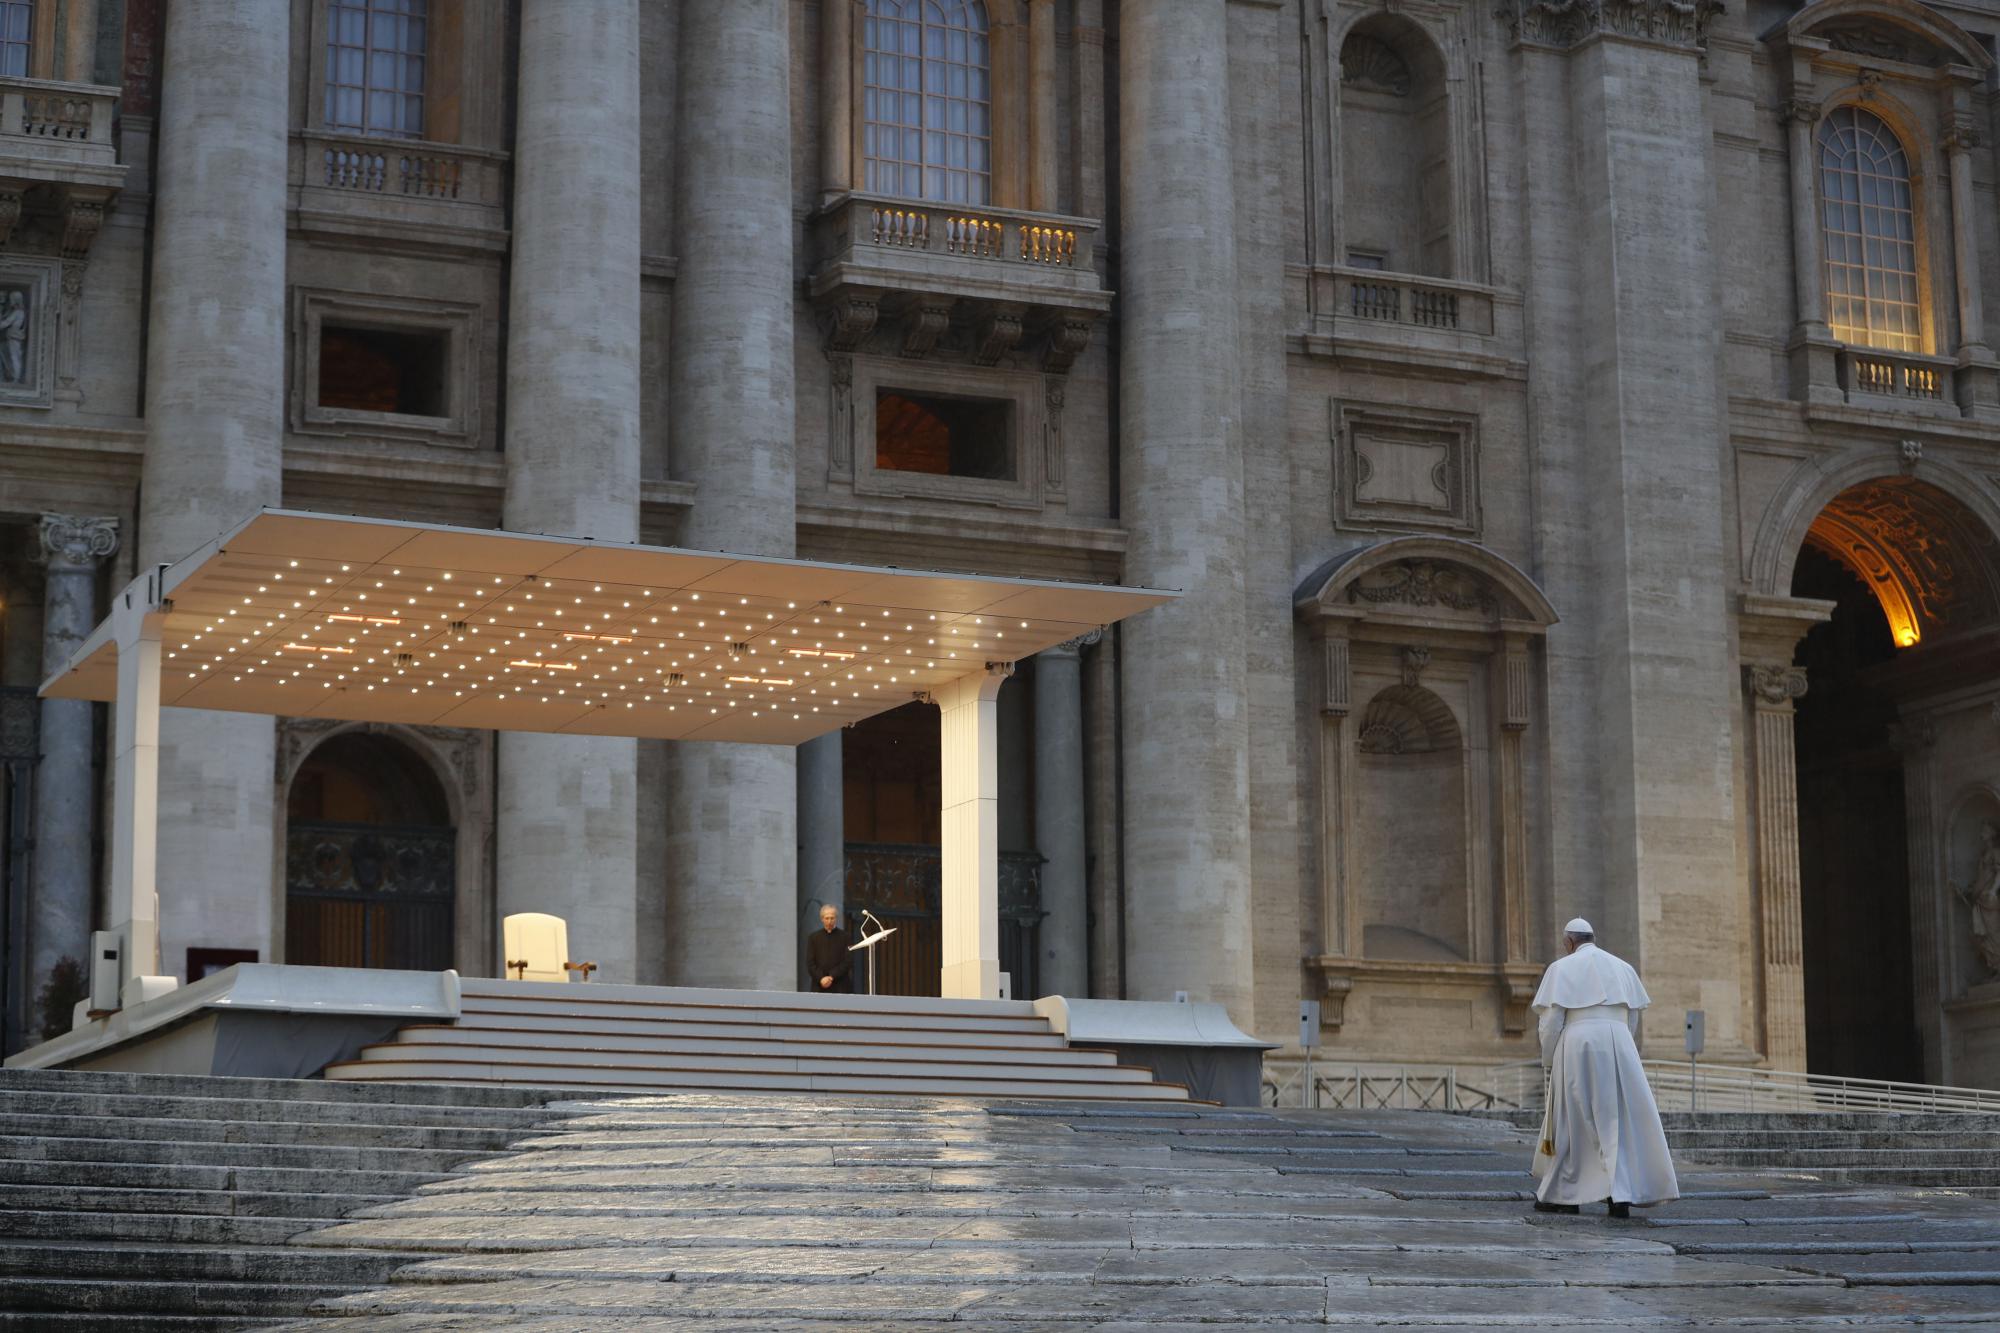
x=974 y=979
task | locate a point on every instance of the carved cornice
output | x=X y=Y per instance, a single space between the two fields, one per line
x=1775 y=687
x=74 y=542
x=1565 y=23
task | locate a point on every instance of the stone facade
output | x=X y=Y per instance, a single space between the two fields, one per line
x=1558 y=534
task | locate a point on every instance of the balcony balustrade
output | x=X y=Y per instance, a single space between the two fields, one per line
x=56 y=146
x=412 y=188
x=998 y=273
x=1368 y=303
x=1865 y=370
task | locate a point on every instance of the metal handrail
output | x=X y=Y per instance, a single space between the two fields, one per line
x=1682 y=1087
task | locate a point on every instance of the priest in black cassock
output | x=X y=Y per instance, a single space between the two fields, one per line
x=829 y=966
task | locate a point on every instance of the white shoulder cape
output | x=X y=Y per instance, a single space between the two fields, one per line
x=1588 y=977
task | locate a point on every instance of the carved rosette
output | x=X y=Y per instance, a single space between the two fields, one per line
x=73 y=542
x=1776 y=687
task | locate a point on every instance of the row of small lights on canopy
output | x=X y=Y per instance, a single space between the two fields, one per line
x=532 y=639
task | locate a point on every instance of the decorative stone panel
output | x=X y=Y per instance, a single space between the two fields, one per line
x=1406 y=468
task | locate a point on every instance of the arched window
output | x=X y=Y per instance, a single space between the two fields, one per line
x=1868 y=225
x=927 y=115
x=375 y=53
x=1397 y=210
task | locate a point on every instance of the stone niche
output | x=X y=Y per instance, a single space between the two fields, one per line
x=1430 y=835
x=27 y=330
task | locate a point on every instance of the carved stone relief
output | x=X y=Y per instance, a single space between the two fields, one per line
x=1980 y=895
x=1423 y=583
x=1406 y=468
x=1371 y=64
x=28 y=329
x=1567 y=22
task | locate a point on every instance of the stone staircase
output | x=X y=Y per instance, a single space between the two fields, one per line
x=669 y=1039
x=139 y=1201
x=1847 y=1148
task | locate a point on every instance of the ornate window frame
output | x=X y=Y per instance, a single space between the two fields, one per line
x=458 y=322
x=851 y=447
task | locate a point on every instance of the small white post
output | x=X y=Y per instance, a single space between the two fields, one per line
x=969 y=827
x=137 y=615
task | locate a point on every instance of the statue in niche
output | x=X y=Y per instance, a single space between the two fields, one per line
x=1982 y=897
x=14 y=338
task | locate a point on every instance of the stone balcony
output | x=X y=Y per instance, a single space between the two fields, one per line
x=399 y=189
x=1403 y=319
x=918 y=269
x=1831 y=373
x=57 y=154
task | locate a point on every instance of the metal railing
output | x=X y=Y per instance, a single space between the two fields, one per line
x=1374 y=1087
x=1679 y=1086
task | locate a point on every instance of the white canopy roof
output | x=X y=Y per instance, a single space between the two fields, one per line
x=310 y=615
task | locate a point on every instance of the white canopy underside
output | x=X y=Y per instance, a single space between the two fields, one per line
x=309 y=615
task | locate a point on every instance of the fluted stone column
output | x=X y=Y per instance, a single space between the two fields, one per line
x=822 y=833
x=215 y=383
x=1915 y=739
x=568 y=805
x=1059 y=819
x=731 y=834
x=65 y=796
x=1773 y=690
x=1186 y=765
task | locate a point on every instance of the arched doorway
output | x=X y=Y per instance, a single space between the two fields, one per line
x=1908 y=571
x=369 y=858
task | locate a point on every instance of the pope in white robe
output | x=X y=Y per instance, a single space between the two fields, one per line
x=1601 y=1138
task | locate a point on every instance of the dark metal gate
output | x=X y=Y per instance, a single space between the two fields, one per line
x=900 y=883
x=20 y=750
x=369 y=895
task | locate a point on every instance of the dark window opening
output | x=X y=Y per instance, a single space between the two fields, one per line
x=377 y=370
x=946 y=437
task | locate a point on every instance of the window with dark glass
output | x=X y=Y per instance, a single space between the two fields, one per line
x=944 y=436
x=927 y=112
x=382 y=370
x=17 y=22
x=1868 y=227
x=375 y=53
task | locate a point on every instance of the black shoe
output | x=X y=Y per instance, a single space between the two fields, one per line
x=1568 y=1209
x=1619 y=1209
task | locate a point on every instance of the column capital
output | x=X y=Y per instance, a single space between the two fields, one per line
x=1799 y=108
x=1775 y=686
x=77 y=542
x=1958 y=134
x=1913 y=736
x=1072 y=647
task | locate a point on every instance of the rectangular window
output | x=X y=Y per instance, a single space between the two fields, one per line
x=375 y=53
x=379 y=370
x=944 y=436
x=17 y=21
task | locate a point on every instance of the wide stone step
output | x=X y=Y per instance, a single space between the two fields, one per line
x=347 y=1133
x=61 y=1295
x=556 y=1019
x=302 y=1092
x=445 y=1044
x=62 y=1222
x=476 y=991
x=53 y=1322
x=317 y=1157
x=1705 y=1140
x=304 y=1111
x=92 y=1260
x=167 y=1175
x=120 y=1198
x=754 y=1015
x=1826 y=1158
x=600 y=1078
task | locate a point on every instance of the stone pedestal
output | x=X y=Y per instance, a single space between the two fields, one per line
x=731 y=838
x=59 y=917
x=1186 y=757
x=1059 y=821
x=568 y=806
x=215 y=383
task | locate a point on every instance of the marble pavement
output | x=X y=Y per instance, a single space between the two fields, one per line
x=784 y=1213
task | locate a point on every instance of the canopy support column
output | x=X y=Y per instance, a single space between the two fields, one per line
x=969 y=825
x=137 y=616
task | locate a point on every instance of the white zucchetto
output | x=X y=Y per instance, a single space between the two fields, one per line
x=1578 y=926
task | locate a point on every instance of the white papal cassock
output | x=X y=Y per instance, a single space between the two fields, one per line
x=1601 y=1136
